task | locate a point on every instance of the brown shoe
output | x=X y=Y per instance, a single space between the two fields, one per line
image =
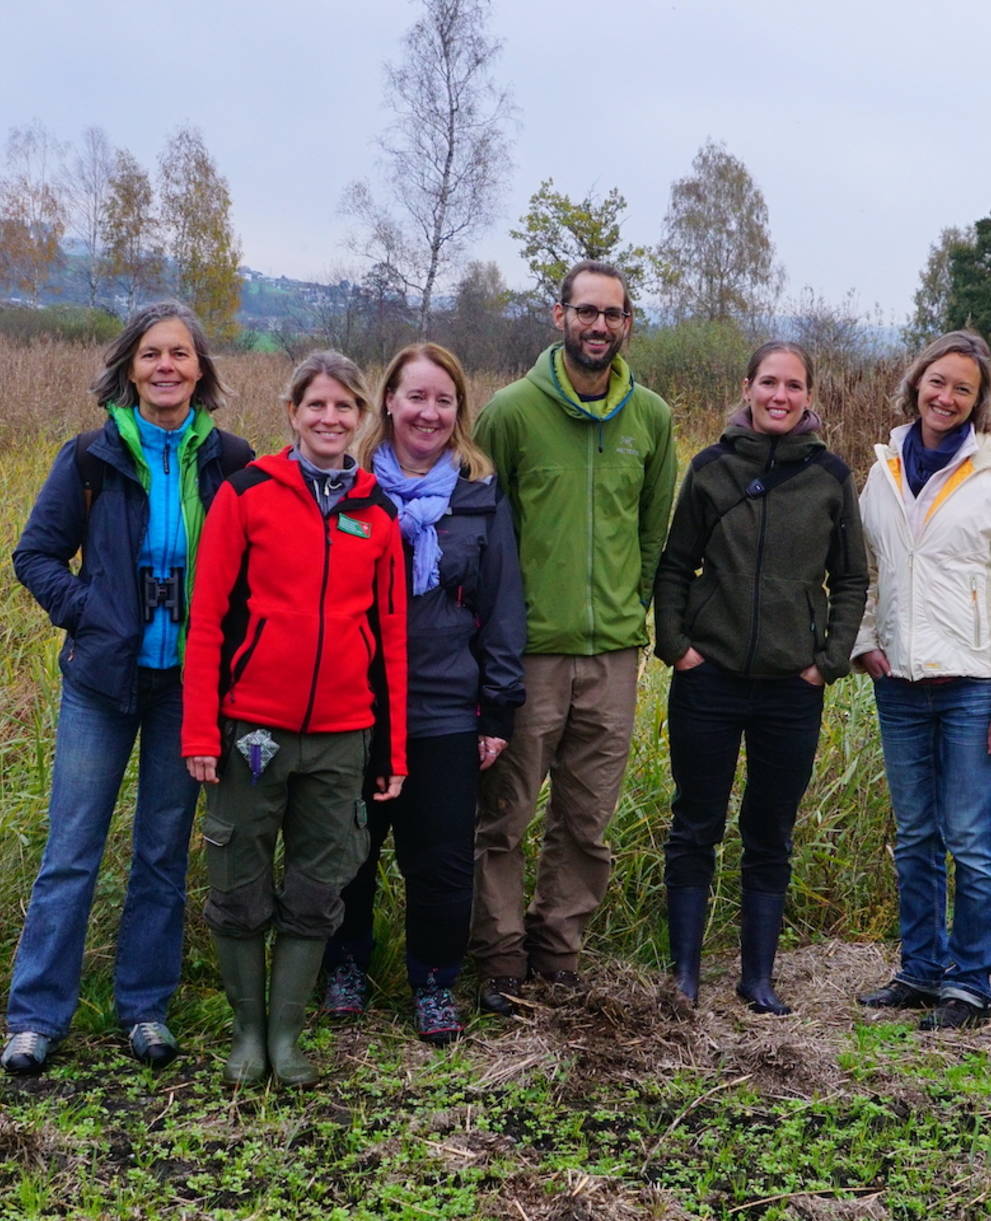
x=494 y=994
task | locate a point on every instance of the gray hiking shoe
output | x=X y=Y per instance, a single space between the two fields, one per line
x=26 y=1052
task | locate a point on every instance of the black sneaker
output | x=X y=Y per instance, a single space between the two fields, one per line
x=896 y=995
x=954 y=1014
x=435 y=1014
x=347 y=990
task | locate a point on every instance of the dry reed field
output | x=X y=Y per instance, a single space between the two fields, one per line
x=616 y=1104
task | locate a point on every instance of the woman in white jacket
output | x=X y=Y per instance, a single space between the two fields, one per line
x=926 y=642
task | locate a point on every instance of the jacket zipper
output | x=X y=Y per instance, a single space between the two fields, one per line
x=977 y=613
x=324 y=581
x=755 y=624
x=590 y=541
x=168 y=556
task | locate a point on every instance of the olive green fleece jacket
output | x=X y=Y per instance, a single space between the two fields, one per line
x=766 y=586
x=591 y=486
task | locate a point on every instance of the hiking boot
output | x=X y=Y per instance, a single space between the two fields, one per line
x=954 y=1014
x=494 y=994
x=347 y=991
x=896 y=995
x=435 y=1014
x=153 y=1043
x=26 y=1053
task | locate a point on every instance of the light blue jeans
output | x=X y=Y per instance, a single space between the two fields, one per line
x=92 y=747
x=935 y=739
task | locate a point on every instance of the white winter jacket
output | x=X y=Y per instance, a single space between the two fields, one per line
x=930 y=563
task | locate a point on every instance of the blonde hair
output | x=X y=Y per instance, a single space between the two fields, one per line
x=469 y=456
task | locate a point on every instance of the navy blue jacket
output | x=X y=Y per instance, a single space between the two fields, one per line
x=99 y=607
x=466 y=637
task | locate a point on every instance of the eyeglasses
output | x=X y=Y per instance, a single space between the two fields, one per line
x=589 y=314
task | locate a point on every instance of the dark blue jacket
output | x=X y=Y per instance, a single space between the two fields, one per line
x=466 y=637
x=99 y=607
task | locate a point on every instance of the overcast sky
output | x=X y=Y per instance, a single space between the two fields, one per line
x=864 y=122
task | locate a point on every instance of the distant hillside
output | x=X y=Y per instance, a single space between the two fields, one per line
x=266 y=301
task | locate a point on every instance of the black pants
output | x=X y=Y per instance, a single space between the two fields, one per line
x=709 y=712
x=433 y=824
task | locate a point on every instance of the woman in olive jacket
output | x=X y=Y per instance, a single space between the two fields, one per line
x=758 y=598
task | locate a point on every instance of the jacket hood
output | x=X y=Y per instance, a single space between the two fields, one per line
x=758 y=446
x=550 y=375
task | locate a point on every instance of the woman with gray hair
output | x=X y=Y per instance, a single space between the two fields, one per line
x=926 y=642
x=132 y=496
x=297 y=647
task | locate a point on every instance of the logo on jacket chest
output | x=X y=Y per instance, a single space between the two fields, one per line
x=351 y=525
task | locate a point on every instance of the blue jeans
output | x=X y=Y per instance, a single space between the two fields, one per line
x=92 y=747
x=935 y=739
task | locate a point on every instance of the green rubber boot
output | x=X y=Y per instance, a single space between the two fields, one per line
x=295 y=963
x=242 y=968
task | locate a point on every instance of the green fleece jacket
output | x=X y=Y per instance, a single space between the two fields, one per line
x=764 y=586
x=591 y=486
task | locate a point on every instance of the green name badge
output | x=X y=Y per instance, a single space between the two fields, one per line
x=360 y=529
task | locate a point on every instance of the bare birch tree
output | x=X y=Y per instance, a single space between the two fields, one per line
x=446 y=153
x=87 y=187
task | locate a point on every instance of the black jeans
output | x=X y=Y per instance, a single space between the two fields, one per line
x=709 y=711
x=433 y=824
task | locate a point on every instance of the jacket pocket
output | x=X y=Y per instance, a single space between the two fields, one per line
x=241 y=659
x=979 y=607
x=218 y=834
x=817 y=624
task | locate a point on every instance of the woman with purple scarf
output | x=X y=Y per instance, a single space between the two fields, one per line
x=926 y=642
x=466 y=638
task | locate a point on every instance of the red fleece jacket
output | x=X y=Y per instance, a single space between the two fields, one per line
x=296 y=621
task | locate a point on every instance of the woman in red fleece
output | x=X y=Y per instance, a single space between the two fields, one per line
x=297 y=645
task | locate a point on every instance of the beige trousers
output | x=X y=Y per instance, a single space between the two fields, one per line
x=576 y=725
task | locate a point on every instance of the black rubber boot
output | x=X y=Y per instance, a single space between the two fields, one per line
x=242 y=968
x=295 y=963
x=688 y=907
x=760 y=926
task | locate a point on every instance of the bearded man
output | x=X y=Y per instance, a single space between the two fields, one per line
x=587 y=459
